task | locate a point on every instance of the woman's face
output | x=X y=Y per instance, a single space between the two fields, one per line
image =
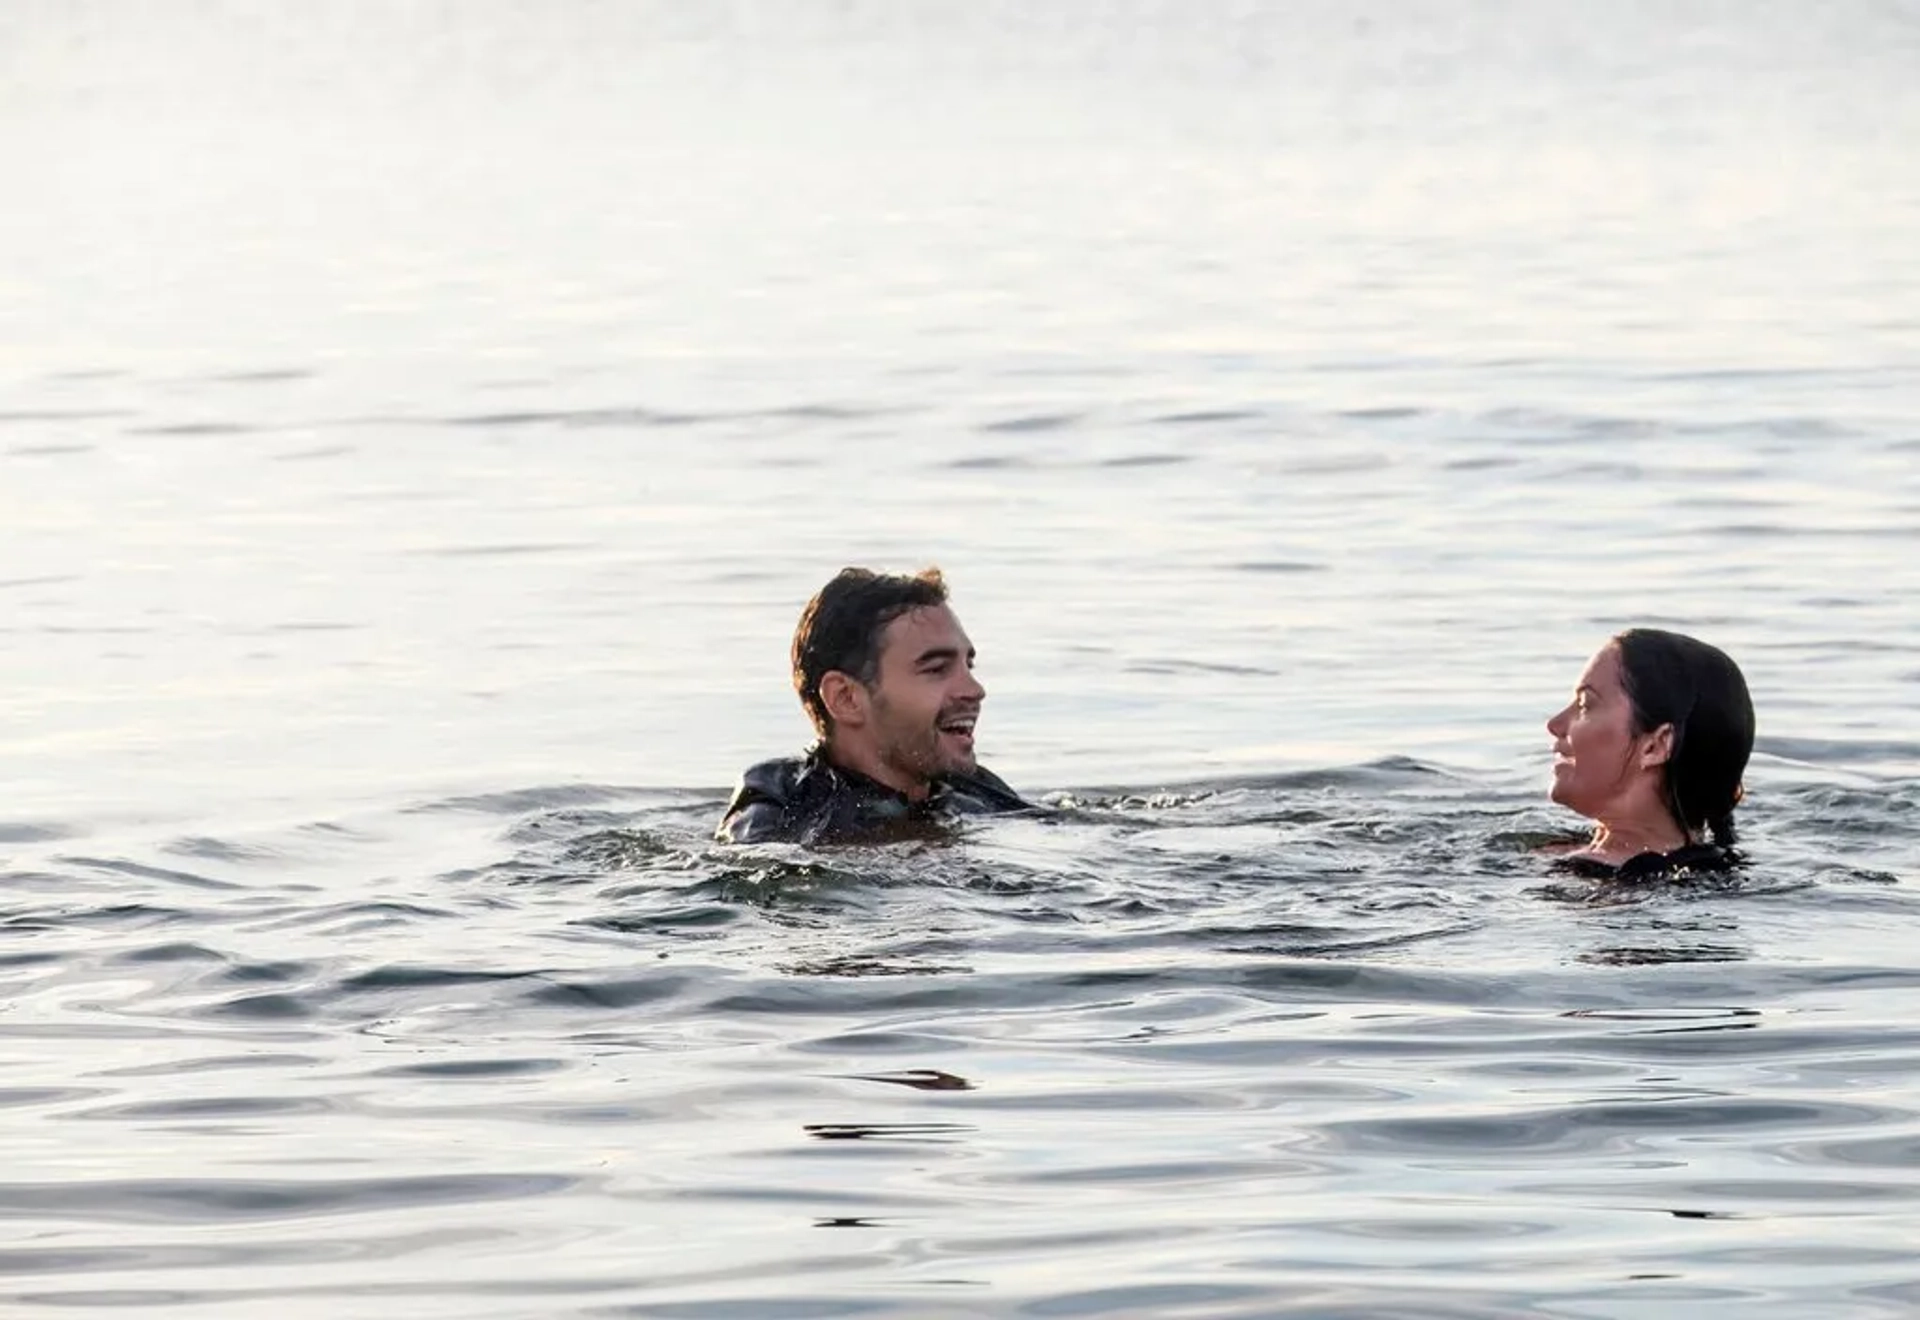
x=1598 y=762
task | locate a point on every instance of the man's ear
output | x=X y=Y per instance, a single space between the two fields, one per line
x=845 y=698
x=1656 y=748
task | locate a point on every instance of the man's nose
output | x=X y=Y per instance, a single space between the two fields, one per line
x=972 y=688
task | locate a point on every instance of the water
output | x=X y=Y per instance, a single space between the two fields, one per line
x=420 y=426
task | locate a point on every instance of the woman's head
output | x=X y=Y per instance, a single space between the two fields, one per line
x=1659 y=721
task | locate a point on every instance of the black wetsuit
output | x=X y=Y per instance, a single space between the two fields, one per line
x=808 y=799
x=1692 y=859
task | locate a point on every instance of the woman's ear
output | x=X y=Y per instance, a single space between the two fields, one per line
x=844 y=697
x=1656 y=748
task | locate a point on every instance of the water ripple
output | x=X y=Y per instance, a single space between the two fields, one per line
x=228 y=1200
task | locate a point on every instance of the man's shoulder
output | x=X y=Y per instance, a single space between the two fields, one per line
x=806 y=798
x=769 y=798
x=775 y=779
x=989 y=791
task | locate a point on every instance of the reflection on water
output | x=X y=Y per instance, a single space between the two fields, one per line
x=1263 y=1029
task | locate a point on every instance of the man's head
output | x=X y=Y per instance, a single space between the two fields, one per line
x=886 y=674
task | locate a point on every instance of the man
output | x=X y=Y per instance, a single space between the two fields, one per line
x=886 y=674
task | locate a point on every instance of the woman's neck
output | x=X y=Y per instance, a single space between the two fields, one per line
x=1617 y=841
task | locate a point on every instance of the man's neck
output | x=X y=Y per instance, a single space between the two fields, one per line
x=868 y=762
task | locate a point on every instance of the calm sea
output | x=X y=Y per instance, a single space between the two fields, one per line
x=420 y=425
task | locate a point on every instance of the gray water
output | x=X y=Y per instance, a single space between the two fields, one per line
x=420 y=426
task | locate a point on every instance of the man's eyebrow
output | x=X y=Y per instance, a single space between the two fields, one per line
x=941 y=653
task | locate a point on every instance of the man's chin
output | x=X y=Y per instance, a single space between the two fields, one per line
x=957 y=762
x=927 y=764
x=954 y=753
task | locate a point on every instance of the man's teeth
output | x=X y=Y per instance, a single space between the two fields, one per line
x=957 y=726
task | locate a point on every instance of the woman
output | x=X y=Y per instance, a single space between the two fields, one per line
x=1652 y=748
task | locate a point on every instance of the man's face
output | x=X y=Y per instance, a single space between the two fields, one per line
x=925 y=700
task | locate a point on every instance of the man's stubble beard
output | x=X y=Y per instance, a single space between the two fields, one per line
x=914 y=752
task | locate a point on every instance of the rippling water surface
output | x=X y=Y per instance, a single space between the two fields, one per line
x=420 y=426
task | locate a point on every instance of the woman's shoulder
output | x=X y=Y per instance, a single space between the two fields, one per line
x=1692 y=859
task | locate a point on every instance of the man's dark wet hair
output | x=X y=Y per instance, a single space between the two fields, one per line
x=841 y=626
x=1674 y=679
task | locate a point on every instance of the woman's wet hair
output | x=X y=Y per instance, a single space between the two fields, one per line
x=841 y=626
x=1677 y=680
